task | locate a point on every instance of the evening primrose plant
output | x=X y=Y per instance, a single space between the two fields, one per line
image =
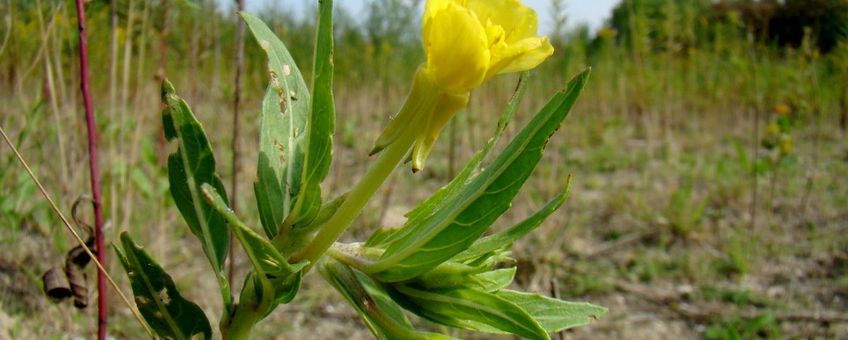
x=439 y=265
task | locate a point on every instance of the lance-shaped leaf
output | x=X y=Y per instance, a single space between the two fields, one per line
x=496 y=280
x=285 y=112
x=271 y=200
x=468 y=309
x=383 y=317
x=554 y=315
x=190 y=166
x=295 y=130
x=465 y=216
x=429 y=206
x=321 y=122
x=166 y=311
x=485 y=246
x=277 y=276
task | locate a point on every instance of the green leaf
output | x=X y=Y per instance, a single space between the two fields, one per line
x=163 y=307
x=296 y=129
x=458 y=222
x=383 y=317
x=294 y=241
x=448 y=275
x=277 y=276
x=269 y=187
x=504 y=239
x=429 y=206
x=438 y=199
x=285 y=112
x=468 y=309
x=554 y=315
x=496 y=280
x=321 y=123
x=387 y=235
x=190 y=166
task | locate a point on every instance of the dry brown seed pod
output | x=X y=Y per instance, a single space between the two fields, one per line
x=56 y=285
x=79 y=288
x=79 y=257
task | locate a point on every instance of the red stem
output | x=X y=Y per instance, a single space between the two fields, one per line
x=94 y=168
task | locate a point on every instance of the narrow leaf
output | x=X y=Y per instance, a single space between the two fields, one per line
x=466 y=215
x=383 y=317
x=468 y=309
x=505 y=239
x=190 y=166
x=285 y=112
x=321 y=122
x=554 y=315
x=429 y=206
x=270 y=186
x=269 y=266
x=163 y=307
x=296 y=133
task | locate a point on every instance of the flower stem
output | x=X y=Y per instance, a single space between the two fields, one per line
x=358 y=197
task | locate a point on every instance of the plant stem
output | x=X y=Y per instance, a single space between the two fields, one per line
x=245 y=315
x=93 y=167
x=235 y=141
x=358 y=197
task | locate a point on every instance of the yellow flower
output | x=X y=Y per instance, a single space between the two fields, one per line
x=782 y=109
x=466 y=42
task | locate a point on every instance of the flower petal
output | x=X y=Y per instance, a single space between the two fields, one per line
x=518 y=21
x=456 y=46
x=520 y=56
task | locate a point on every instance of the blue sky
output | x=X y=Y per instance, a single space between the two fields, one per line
x=592 y=12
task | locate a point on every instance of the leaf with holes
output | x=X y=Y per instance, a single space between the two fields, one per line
x=190 y=166
x=163 y=307
x=296 y=129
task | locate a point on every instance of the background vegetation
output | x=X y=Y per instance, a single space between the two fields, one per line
x=709 y=155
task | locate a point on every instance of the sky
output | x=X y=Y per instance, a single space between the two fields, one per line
x=591 y=12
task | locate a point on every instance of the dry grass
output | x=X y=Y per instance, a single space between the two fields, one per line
x=668 y=265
